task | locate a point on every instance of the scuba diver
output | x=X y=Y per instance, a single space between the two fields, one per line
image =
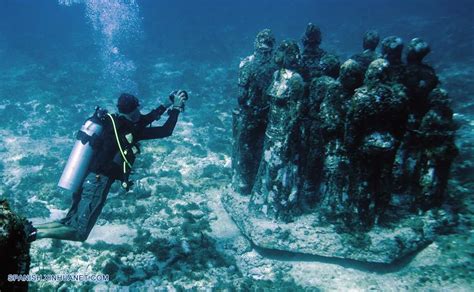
x=105 y=150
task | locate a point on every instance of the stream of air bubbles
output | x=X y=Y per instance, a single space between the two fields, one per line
x=115 y=23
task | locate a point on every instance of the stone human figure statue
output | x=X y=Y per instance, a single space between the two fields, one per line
x=327 y=135
x=375 y=124
x=420 y=78
x=423 y=172
x=275 y=192
x=370 y=42
x=312 y=53
x=392 y=48
x=349 y=167
x=250 y=117
x=316 y=62
x=326 y=165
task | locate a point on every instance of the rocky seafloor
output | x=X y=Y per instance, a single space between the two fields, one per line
x=171 y=231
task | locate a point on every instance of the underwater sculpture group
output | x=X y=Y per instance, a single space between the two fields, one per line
x=343 y=160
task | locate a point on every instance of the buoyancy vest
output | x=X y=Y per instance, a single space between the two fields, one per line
x=128 y=148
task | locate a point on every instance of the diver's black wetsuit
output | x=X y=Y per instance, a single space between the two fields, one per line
x=102 y=163
x=89 y=200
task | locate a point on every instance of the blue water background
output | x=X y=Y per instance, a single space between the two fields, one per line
x=222 y=31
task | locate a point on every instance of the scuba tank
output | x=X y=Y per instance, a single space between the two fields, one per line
x=79 y=160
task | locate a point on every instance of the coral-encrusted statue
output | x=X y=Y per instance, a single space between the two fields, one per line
x=250 y=118
x=276 y=186
x=352 y=156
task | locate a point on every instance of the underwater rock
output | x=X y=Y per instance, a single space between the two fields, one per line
x=14 y=249
x=355 y=160
x=276 y=183
x=250 y=118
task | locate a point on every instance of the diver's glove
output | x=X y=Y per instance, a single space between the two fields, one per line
x=179 y=97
